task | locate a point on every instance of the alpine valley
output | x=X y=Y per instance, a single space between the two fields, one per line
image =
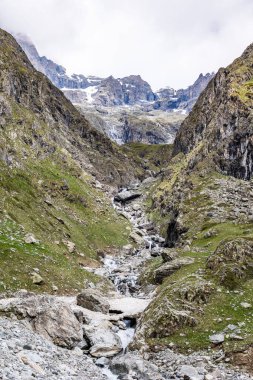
x=126 y=223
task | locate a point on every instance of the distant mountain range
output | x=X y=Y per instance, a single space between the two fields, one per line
x=95 y=96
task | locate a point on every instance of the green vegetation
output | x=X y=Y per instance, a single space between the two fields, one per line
x=45 y=192
x=148 y=157
x=55 y=206
x=195 y=195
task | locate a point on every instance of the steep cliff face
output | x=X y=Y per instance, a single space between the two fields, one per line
x=221 y=121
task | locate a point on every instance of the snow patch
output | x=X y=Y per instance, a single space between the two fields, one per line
x=91 y=90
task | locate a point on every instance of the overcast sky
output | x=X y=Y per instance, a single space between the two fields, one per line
x=167 y=42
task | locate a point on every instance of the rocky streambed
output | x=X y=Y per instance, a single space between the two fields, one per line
x=87 y=336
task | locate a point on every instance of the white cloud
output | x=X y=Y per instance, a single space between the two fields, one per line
x=168 y=42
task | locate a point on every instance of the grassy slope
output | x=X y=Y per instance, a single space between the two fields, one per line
x=79 y=212
x=148 y=157
x=223 y=307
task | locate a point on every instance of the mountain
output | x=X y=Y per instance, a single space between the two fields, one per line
x=56 y=73
x=203 y=205
x=183 y=99
x=109 y=101
x=54 y=216
x=221 y=120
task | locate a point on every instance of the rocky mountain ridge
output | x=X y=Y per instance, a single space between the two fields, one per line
x=113 y=91
x=109 y=101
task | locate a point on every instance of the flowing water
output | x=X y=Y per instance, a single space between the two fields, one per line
x=124 y=269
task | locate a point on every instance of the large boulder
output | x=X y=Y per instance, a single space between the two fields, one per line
x=104 y=342
x=59 y=324
x=48 y=317
x=232 y=261
x=161 y=319
x=170 y=267
x=125 y=196
x=93 y=300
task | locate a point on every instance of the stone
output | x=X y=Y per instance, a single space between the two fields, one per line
x=59 y=324
x=136 y=207
x=168 y=254
x=136 y=238
x=50 y=318
x=30 y=239
x=217 y=338
x=188 y=372
x=126 y=195
x=44 y=361
x=70 y=245
x=104 y=342
x=101 y=362
x=128 y=249
x=37 y=279
x=170 y=267
x=209 y=377
x=235 y=337
x=134 y=364
x=129 y=306
x=93 y=300
x=231 y=260
x=246 y=305
x=55 y=288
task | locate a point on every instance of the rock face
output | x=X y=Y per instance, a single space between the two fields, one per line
x=220 y=123
x=160 y=320
x=128 y=90
x=29 y=88
x=183 y=99
x=135 y=123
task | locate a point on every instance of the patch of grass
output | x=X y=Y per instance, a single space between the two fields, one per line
x=77 y=212
x=148 y=157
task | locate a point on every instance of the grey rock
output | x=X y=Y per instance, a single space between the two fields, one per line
x=217 y=338
x=43 y=361
x=104 y=342
x=190 y=373
x=170 y=267
x=126 y=195
x=93 y=300
x=101 y=362
x=37 y=279
x=30 y=239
